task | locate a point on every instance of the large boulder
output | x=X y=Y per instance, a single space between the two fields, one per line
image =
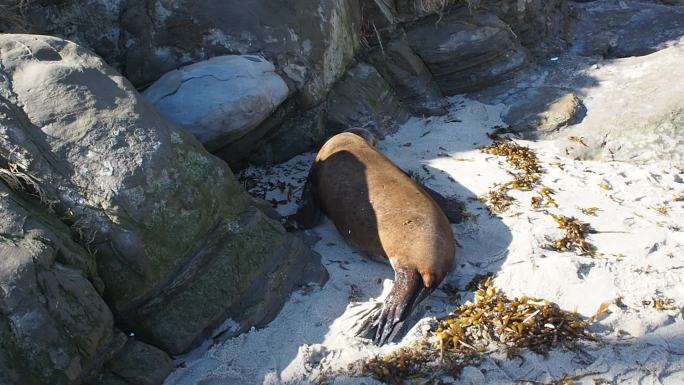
x=178 y=244
x=221 y=99
x=311 y=42
x=54 y=326
x=466 y=51
x=362 y=98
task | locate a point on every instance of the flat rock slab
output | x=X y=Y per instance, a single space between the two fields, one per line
x=221 y=99
x=542 y=110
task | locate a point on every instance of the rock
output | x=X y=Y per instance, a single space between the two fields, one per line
x=136 y=364
x=237 y=152
x=533 y=21
x=299 y=133
x=221 y=99
x=54 y=326
x=466 y=52
x=541 y=110
x=626 y=121
x=170 y=226
x=91 y=23
x=604 y=28
x=362 y=98
x=409 y=77
x=310 y=42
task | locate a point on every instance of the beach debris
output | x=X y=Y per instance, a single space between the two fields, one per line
x=660 y=303
x=497 y=201
x=602 y=309
x=589 y=210
x=679 y=197
x=605 y=185
x=574 y=238
x=661 y=209
x=578 y=140
x=544 y=198
x=520 y=158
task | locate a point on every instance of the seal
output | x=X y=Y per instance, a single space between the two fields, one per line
x=383 y=213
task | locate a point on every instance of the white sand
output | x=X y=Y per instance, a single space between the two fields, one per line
x=641 y=256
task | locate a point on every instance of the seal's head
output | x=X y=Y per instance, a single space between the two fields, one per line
x=364 y=133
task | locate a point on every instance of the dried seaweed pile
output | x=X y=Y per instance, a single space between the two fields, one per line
x=574 y=238
x=538 y=325
x=492 y=322
x=527 y=177
x=418 y=361
x=660 y=303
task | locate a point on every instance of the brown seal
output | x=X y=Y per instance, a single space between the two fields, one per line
x=383 y=213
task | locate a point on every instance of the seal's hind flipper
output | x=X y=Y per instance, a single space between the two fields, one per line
x=308 y=213
x=407 y=292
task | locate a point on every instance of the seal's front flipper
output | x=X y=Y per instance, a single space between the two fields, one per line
x=452 y=208
x=309 y=213
x=407 y=291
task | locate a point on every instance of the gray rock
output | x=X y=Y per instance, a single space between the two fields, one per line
x=533 y=21
x=409 y=77
x=362 y=98
x=541 y=110
x=143 y=194
x=467 y=51
x=299 y=133
x=136 y=364
x=221 y=99
x=604 y=28
x=54 y=326
x=237 y=152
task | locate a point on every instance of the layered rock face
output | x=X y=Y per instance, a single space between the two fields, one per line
x=177 y=243
x=465 y=51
